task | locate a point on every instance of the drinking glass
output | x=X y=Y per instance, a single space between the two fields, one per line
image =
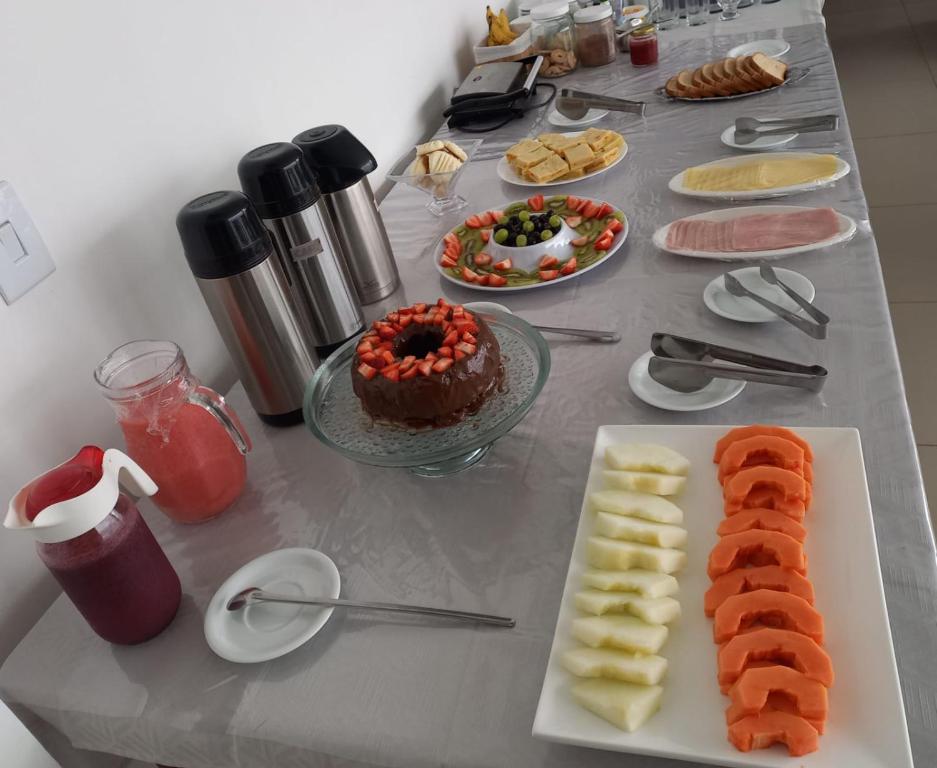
x=667 y=17
x=696 y=12
x=730 y=10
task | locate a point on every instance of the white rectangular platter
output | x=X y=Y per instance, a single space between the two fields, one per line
x=866 y=727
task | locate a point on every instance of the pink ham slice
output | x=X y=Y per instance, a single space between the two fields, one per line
x=759 y=232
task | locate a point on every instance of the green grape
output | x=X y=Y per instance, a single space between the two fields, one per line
x=556 y=222
x=521 y=241
x=501 y=235
x=546 y=234
x=528 y=226
x=523 y=216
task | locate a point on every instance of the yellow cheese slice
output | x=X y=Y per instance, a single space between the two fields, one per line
x=760 y=174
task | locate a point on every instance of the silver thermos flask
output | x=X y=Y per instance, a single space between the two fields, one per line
x=341 y=165
x=244 y=285
x=283 y=189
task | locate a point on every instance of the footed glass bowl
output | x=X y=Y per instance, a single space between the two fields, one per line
x=441 y=186
x=334 y=414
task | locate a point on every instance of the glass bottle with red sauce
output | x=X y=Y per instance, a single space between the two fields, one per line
x=643 y=46
x=183 y=434
x=98 y=546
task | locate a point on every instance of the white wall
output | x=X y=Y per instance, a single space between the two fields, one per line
x=19 y=748
x=112 y=115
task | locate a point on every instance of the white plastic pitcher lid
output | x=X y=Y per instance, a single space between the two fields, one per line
x=70 y=518
x=593 y=13
x=549 y=11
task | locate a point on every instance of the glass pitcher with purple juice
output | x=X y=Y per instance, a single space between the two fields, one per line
x=96 y=544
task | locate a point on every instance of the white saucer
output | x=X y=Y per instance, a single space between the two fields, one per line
x=758 y=145
x=772 y=47
x=487 y=306
x=561 y=121
x=261 y=632
x=745 y=310
x=717 y=392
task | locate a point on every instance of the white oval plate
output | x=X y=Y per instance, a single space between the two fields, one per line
x=745 y=310
x=508 y=174
x=265 y=631
x=847 y=228
x=676 y=183
x=717 y=392
x=758 y=145
x=560 y=120
x=617 y=243
x=774 y=48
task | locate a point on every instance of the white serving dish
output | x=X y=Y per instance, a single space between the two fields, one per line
x=847 y=228
x=771 y=47
x=866 y=726
x=508 y=174
x=676 y=183
x=758 y=145
x=743 y=309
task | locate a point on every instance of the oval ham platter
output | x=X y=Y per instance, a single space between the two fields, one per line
x=754 y=232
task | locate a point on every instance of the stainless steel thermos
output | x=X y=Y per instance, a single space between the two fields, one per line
x=283 y=189
x=341 y=165
x=247 y=291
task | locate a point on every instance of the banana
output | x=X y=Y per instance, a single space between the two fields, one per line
x=499 y=27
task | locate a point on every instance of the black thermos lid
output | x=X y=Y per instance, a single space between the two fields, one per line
x=336 y=157
x=222 y=235
x=277 y=180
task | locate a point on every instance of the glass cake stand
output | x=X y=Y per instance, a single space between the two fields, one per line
x=334 y=414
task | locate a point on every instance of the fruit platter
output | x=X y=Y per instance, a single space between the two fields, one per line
x=531 y=243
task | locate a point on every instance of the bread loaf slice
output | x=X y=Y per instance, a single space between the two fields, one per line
x=755 y=73
x=685 y=81
x=773 y=70
x=705 y=88
x=673 y=89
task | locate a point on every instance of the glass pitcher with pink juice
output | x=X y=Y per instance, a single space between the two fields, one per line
x=96 y=544
x=183 y=434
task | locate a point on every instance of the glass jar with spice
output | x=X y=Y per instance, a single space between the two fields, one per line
x=643 y=46
x=551 y=30
x=595 y=35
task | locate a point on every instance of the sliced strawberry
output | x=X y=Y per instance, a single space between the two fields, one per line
x=496 y=215
x=548 y=261
x=487 y=218
x=583 y=203
x=482 y=280
x=482 y=259
x=466 y=336
x=450 y=238
x=367 y=371
x=441 y=302
x=474 y=222
x=451 y=338
x=391 y=373
x=387 y=332
x=425 y=368
x=572 y=203
x=590 y=210
x=448 y=263
x=378 y=362
x=579 y=241
x=405 y=311
x=458 y=311
x=535 y=203
x=504 y=265
x=382 y=346
x=419 y=319
x=569 y=267
x=451 y=253
x=431 y=357
x=615 y=225
x=574 y=221
x=486 y=235
x=459 y=354
x=405 y=320
x=388 y=356
x=410 y=373
x=603 y=243
x=367 y=357
x=604 y=210
x=418 y=309
x=497 y=281
x=407 y=363
x=364 y=346
x=440 y=319
x=468 y=349
x=549 y=274
x=393 y=317
x=468 y=275
x=465 y=325
x=442 y=365
x=444 y=351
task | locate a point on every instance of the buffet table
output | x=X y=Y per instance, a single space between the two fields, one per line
x=378 y=691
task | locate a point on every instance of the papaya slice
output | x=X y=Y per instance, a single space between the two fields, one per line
x=789 y=484
x=768 y=608
x=762 y=519
x=774 y=727
x=768 y=498
x=750 y=693
x=740 y=433
x=762 y=450
x=744 y=580
x=780 y=646
x=754 y=548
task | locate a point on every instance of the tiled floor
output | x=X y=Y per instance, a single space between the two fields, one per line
x=886 y=56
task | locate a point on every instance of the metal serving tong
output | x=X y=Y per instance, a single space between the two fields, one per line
x=747 y=129
x=684 y=365
x=816 y=330
x=575 y=104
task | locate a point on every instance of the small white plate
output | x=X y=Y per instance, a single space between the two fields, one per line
x=508 y=174
x=717 y=392
x=746 y=310
x=758 y=145
x=561 y=121
x=773 y=48
x=487 y=306
x=261 y=632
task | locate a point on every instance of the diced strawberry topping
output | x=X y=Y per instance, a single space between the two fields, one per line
x=407 y=363
x=367 y=357
x=459 y=354
x=418 y=309
x=367 y=371
x=391 y=373
x=442 y=365
x=441 y=302
x=503 y=265
x=387 y=332
x=444 y=351
x=405 y=320
x=410 y=373
x=549 y=274
x=419 y=319
x=465 y=325
x=468 y=349
x=382 y=346
x=497 y=281
x=440 y=319
x=431 y=357
x=425 y=368
x=405 y=311
x=393 y=317
x=388 y=356
x=569 y=267
x=482 y=259
x=466 y=336
x=548 y=261
x=451 y=338
x=364 y=346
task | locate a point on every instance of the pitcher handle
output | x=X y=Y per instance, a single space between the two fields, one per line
x=215 y=404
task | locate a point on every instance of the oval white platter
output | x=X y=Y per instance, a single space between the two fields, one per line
x=508 y=174
x=676 y=183
x=771 y=47
x=847 y=228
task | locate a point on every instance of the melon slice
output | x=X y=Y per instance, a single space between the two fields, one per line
x=754 y=548
x=769 y=498
x=773 y=727
x=615 y=665
x=763 y=520
x=653 y=610
x=642 y=531
x=648 y=482
x=625 y=632
x=647 y=506
x=749 y=579
x=750 y=693
x=641 y=582
x=617 y=555
x=770 y=609
x=624 y=705
x=789 y=484
x=740 y=433
x=762 y=450
x=646 y=457
x=780 y=646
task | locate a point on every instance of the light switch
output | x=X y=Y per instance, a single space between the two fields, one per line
x=24 y=259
